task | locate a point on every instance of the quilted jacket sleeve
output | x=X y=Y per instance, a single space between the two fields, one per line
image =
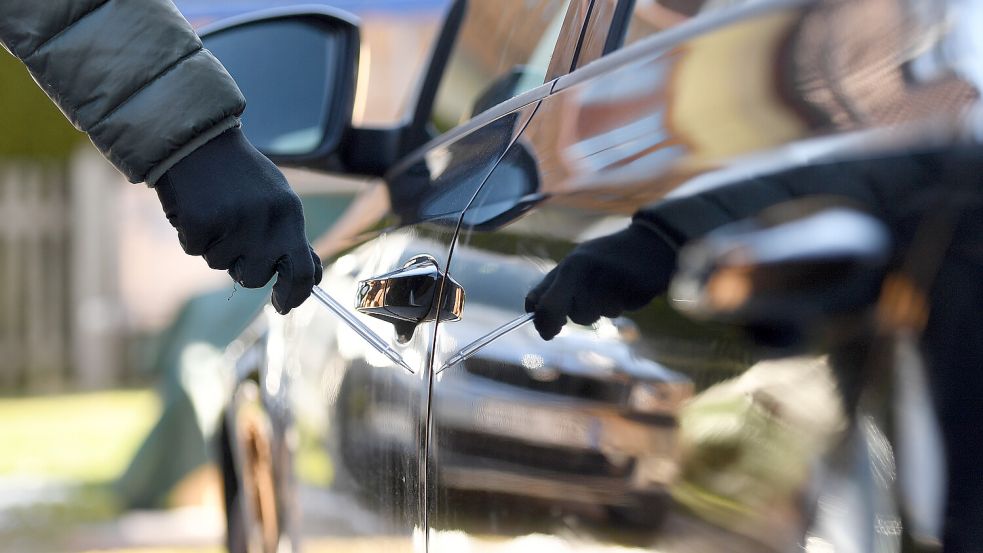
x=130 y=73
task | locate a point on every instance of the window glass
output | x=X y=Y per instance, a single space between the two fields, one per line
x=503 y=49
x=651 y=16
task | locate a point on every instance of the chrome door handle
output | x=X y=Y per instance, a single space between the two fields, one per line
x=406 y=297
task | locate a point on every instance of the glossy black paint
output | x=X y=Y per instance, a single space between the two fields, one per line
x=669 y=432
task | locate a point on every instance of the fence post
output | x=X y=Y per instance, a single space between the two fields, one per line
x=11 y=310
x=33 y=250
x=94 y=277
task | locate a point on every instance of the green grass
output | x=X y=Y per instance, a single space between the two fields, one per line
x=84 y=438
x=79 y=443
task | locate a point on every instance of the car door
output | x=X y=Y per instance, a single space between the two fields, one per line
x=601 y=439
x=361 y=416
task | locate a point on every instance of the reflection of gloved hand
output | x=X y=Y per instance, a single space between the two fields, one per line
x=232 y=206
x=603 y=277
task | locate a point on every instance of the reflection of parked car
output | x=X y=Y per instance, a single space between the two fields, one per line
x=579 y=419
x=539 y=125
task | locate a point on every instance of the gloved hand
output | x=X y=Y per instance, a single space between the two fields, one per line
x=232 y=206
x=602 y=277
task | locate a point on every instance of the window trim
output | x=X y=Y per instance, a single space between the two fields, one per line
x=618 y=28
x=597 y=34
x=564 y=57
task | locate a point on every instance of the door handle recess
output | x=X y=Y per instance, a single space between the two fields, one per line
x=406 y=297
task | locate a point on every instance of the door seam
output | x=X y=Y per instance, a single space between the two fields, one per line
x=433 y=344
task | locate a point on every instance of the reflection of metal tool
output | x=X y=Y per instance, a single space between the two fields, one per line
x=359 y=327
x=473 y=348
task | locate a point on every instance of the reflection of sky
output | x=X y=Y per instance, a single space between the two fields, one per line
x=214 y=9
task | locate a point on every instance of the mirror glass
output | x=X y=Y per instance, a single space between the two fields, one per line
x=284 y=68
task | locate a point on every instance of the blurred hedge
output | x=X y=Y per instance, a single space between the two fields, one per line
x=30 y=125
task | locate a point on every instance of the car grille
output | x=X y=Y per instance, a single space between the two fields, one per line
x=528 y=456
x=565 y=384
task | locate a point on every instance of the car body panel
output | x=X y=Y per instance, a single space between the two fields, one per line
x=353 y=409
x=692 y=108
x=578 y=440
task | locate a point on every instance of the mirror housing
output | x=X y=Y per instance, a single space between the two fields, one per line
x=342 y=149
x=298 y=69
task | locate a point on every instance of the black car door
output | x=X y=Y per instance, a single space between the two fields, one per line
x=655 y=430
x=376 y=411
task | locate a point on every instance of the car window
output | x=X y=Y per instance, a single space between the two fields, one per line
x=651 y=16
x=503 y=49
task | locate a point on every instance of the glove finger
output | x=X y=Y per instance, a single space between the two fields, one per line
x=554 y=305
x=221 y=255
x=586 y=309
x=183 y=240
x=634 y=302
x=252 y=273
x=612 y=308
x=548 y=324
x=295 y=278
x=532 y=298
x=201 y=242
x=318 y=267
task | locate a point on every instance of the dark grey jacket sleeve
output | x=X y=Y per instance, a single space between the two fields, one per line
x=895 y=188
x=130 y=73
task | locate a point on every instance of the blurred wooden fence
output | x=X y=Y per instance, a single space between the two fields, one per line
x=58 y=325
x=34 y=261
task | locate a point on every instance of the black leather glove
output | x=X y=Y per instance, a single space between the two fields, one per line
x=602 y=277
x=232 y=206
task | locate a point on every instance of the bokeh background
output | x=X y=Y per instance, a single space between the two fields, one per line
x=107 y=328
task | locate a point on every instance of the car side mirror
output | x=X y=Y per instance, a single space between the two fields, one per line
x=793 y=270
x=297 y=69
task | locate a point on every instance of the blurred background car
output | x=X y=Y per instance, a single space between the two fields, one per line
x=558 y=424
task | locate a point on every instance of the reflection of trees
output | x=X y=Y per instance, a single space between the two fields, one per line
x=510 y=23
x=844 y=68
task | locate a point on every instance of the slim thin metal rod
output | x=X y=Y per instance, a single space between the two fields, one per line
x=360 y=328
x=474 y=347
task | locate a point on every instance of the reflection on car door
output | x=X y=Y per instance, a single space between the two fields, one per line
x=358 y=416
x=368 y=414
x=361 y=417
x=584 y=439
